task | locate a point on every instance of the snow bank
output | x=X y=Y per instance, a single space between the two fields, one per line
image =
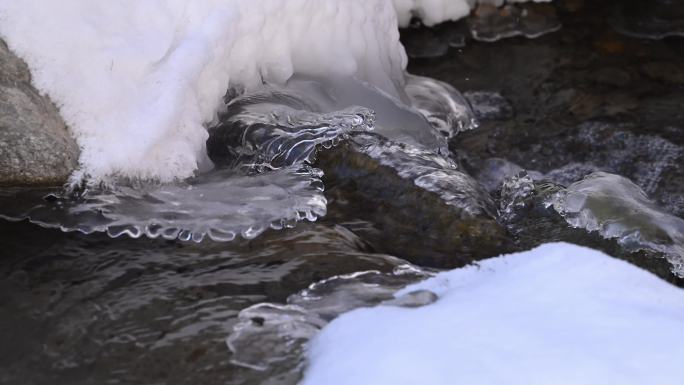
x=137 y=80
x=559 y=314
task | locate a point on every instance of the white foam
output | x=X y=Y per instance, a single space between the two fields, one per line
x=559 y=314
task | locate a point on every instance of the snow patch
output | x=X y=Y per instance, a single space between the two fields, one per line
x=559 y=314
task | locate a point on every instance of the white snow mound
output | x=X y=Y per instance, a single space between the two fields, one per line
x=136 y=81
x=559 y=314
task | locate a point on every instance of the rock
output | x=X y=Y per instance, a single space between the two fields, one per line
x=656 y=19
x=489 y=24
x=36 y=146
x=414 y=205
x=489 y=105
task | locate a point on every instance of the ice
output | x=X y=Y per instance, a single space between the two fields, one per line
x=263 y=147
x=137 y=81
x=395 y=117
x=430 y=171
x=494 y=171
x=444 y=107
x=222 y=204
x=275 y=127
x=272 y=337
x=619 y=209
x=558 y=314
x=141 y=84
x=514 y=190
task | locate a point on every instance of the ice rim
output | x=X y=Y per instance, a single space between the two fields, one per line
x=274 y=188
x=616 y=208
x=194 y=207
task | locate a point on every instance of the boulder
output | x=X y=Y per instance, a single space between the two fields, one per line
x=35 y=145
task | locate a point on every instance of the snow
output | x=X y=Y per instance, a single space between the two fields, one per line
x=559 y=314
x=137 y=81
x=432 y=12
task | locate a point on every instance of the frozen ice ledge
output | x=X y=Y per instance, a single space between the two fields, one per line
x=142 y=84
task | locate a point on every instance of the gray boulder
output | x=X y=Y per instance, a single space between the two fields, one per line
x=35 y=146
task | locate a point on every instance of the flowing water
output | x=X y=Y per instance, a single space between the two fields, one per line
x=547 y=122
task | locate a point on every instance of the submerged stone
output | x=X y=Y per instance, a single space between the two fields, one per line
x=489 y=23
x=419 y=206
x=36 y=146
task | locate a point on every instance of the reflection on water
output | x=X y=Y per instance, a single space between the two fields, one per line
x=90 y=309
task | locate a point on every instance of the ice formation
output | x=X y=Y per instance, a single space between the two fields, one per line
x=618 y=209
x=137 y=82
x=558 y=314
x=272 y=337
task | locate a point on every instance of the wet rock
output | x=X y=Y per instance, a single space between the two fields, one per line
x=570 y=173
x=419 y=206
x=665 y=72
x=494 y=171
x=489 y=105
x=424 y=43
x=656 y=19
x=36 y=146
x=489 y=24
